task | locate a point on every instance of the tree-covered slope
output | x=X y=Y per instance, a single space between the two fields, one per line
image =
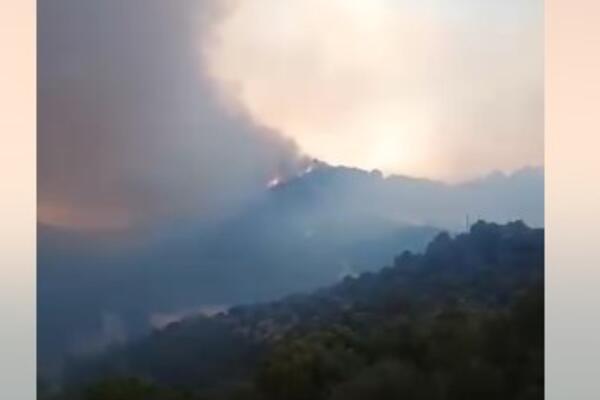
x=463 y=320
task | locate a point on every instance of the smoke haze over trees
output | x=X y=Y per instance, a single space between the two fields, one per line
x=462 y=320
x=198 y=154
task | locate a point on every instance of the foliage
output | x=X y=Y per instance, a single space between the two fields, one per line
x=464 y=320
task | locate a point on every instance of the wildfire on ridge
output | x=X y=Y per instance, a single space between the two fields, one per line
x=273 y=182
x=278 y=179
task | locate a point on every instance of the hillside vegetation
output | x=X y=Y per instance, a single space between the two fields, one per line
x=463 y=320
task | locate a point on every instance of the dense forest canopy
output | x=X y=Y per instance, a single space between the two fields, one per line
x=462 y=320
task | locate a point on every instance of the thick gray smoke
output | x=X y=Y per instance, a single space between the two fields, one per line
x=130 y=129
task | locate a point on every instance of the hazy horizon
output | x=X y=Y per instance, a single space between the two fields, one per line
x=386 y=156
x=152 y=110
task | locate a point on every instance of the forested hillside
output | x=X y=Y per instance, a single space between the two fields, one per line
x=98 y=288
x=462 y=320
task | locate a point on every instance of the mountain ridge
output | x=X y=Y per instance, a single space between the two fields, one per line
x=299 y=235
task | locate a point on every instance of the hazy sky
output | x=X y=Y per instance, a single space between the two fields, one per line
x=129 y=128
x=441 y=88
x=155 y=108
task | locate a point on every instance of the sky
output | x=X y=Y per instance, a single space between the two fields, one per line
x=436 y=88
x=153 y=109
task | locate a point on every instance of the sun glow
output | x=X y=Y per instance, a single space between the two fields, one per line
x=379 y=84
